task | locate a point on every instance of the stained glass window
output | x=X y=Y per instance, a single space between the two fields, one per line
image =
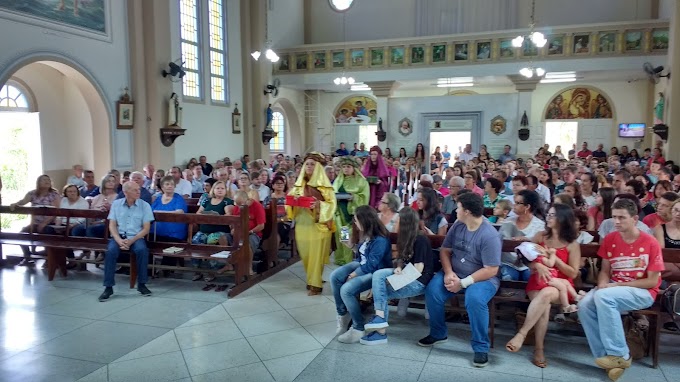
x=190 y=44
x=218 y=89
x=278 y=143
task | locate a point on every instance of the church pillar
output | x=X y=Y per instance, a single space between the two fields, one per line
x=525 y=88
x=382 y=90
x=257 y=74
x=672 y=113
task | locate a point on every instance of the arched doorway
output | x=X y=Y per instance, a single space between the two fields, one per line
x=73 y=120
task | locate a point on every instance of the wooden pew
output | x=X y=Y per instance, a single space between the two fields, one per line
x=587 y=251
x=57 y=245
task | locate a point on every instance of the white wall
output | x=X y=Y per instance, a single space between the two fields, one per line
x=557 y=12
x=104 y=61
x=286 y=23
x=208 y=126
x=292 y=104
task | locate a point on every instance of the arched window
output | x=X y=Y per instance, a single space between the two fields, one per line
x=12 y=99
x=278 y=143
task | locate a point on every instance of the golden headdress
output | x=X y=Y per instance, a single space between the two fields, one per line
x=317 y=157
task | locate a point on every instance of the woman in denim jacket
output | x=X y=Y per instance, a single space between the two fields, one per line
x=374 y=253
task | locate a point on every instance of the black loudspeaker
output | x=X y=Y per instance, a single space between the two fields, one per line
x=523 y=134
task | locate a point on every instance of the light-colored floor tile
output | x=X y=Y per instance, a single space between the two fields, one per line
x=435 y=373
x=251 y=306
x=100 y=341
x=323 y=332
x=217 y=313
x=255 y=372
x=315 y=314
x=194 y=292
x=206 y=334
x=283 y=343
x=23 y=329
x=29 y=367
x=401 y=344
x=290 y=285
x=99 y=375
x=340 y=366
x=286 y=369
x=163 y=367
x=87 y=305
x=210 y=358
x=669 y=365
x=298 y=299
x=266 y=323
x=37 y=298
x=162 y=312
x=167 y=343
x=252 y=292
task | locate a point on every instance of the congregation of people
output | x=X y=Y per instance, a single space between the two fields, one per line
x=346 y=204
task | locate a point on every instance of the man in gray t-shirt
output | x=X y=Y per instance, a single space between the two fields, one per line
x=470 y=257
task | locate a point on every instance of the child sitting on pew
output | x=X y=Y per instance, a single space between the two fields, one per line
x=535 y=253
x=500 y=211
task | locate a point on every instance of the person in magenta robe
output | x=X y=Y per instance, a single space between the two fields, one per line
x=376 y=173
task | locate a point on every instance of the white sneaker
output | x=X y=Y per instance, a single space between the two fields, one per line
x=352 y=336
x=402 y=307
x=343 y=323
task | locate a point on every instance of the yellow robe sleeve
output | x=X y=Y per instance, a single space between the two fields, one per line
x=327 y=206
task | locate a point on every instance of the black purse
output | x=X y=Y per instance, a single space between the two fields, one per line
x=671 y=302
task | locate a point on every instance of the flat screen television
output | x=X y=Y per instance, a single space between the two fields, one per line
x=632 y=130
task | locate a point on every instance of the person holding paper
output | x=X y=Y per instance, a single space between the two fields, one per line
x=313 y=224
x=470 y=257
x=415 y=266
x=373 y=243
x=350 y=182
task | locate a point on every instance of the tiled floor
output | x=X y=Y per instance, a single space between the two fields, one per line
x=58 y=331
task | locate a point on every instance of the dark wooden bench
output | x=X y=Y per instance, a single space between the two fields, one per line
x=519 y=296
x=57 y=245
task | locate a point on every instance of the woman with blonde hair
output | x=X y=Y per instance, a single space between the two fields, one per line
x=313 y=222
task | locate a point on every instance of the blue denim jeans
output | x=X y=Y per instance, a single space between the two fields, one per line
x=79 y=230
x=139 y=249
x=509 y=273
x=477 y=297
x=96 y=230
x=600 y=315
x=383 y=292
x=345 y=292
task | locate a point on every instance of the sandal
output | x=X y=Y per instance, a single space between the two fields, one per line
x=197 y=276
x=208 y=287
x=539 y=362
x=221 y=288
x=570 y=309
x=210 y=278
x=514 y=347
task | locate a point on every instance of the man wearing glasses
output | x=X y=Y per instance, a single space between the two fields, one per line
x=456 y=184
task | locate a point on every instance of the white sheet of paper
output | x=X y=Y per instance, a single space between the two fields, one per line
x=222 y=255
x=408 y=275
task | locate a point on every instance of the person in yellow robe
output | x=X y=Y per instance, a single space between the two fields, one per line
x=313 y=226
x=352 y=190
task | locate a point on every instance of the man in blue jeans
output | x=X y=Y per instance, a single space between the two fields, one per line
x=470 y=257
x=629 y=279
x=129 y=222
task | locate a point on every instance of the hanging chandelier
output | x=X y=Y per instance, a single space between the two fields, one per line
x=268 y=51
x=537 y=38
x=344 y=80
x=531 y=71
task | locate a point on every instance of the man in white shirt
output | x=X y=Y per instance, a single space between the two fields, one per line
x=182 y=186
x=77 y=177
x=534 y=185
x=262 y=190
x=199 y=175
x=467 y=154
x=196 y=186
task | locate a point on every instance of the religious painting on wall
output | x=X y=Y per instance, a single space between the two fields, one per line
x=301 y=61
x=483 y=50
x=460 y=52
x=555 y=45
x=660 y=39
x=417 y=54
x=529 y=49
x=357 y=57
x=579 y=103
x=339 y=59
x=320 y=60
x=607 y=43
x=377 y=56
x=397 y=56
x=439 y=53
x=507 y=50
x=581 y=44
x=284 y=63
x=359 y=109
x=633 y=41
x=86 y=15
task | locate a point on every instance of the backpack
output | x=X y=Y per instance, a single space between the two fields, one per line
x=671 y=302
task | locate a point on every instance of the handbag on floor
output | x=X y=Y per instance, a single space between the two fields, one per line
x=671 y=302
x=635 y=338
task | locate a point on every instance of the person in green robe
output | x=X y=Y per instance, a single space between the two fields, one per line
x=352 y=191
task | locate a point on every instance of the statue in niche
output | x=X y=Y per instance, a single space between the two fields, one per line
x=270 y=116
x=658 y=109
x=174 y=111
